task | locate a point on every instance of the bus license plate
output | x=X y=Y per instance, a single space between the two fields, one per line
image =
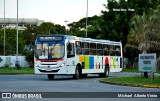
x=48 y=69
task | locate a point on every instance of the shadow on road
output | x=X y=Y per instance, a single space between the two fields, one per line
x=65 y=77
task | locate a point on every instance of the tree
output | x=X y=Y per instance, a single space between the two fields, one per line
x=116 y=24
x=30 y=58
x=50 y=28
x=145 y=33
x=46 y=28
x=59 y=29
x=10 y=42
x=113 y=25
x=93 y=27
x=136 y=36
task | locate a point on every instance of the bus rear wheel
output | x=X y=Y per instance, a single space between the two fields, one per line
x=50 y=76
x=77 y=73
x=106 y=72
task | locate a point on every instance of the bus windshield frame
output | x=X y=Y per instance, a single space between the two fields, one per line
x=50 y=50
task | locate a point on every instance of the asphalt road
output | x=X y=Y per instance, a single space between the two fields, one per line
x=40 y=83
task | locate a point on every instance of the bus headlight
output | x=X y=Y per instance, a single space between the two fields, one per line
x=62 y=65
x=36 y=65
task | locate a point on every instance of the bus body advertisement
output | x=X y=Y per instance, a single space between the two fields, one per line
x=64 y=54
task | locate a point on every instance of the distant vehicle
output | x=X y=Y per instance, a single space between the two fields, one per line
x=72 y=55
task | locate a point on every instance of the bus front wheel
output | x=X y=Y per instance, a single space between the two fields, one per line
x=50 y=76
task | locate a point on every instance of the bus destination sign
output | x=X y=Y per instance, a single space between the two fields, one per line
x=50 y=38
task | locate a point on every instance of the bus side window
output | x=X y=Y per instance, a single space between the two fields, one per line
x=92 y=48
x=85 y=48
x=112 y=50
x=118 y=50
x=99 y=49
x=78 y=48
x=105 y=49
x=70 y=50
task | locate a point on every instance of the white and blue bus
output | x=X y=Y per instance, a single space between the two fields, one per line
x=72 y=55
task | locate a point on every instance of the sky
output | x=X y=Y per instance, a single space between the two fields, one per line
x=56 y=11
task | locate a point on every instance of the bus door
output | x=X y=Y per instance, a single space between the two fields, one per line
x=70 y=58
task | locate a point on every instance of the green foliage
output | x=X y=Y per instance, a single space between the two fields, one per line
x=79 y=28
x=144 y=34
x=50 y=28
x=45 y=28
x=10 y=42
x=137 y=80
x=25 y=70
x=115 y=24
x=112 y=25
x=30 y=56
x=130 y=70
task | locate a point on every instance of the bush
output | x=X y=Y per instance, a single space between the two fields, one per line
x=30 y=58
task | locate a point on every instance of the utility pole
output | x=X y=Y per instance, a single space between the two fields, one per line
x=86 y=18
x=66 y=26
x=4 y=26
x=17 y=62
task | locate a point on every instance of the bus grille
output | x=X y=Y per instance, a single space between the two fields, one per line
x=48 y=71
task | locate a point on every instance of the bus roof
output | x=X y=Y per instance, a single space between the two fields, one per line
x=70 y=37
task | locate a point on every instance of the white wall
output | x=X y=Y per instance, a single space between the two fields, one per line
x=10 y=60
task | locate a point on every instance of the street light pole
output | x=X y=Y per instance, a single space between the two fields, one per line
x=86 y=18
x=4 y=26
x=66 y=26
x=17 y=39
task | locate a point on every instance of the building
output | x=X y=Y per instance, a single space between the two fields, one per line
x=22 y=23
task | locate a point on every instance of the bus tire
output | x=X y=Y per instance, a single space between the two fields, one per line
x=50 y=76
x=106 y=72
x=77 y=73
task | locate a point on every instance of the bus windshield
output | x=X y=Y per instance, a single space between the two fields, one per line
x=49 y=51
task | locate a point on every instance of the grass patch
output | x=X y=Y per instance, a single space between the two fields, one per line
x=24 y=70
x=137 y=80
x=135 y=70
x=130 y=70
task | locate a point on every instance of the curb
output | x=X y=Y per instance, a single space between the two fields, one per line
x=15 y=74
x=128 y=84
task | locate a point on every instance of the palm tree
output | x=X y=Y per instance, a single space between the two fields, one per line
x=155 y=29
x=145 y=32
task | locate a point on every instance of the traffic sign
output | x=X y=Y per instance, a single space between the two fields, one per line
x=147 y=62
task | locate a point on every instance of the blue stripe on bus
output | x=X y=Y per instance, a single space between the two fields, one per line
x=91 y=62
